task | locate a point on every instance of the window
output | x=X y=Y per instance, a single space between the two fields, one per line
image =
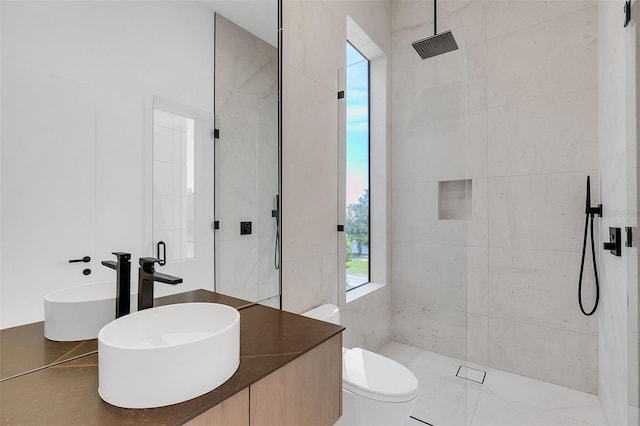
x=357 y=169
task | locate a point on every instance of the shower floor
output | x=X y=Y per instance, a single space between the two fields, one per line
x=505 y=399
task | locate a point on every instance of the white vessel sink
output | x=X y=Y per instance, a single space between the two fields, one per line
x=168 y=354
x=79 y=312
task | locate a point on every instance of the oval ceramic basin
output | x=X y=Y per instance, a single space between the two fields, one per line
x=79 y=312
x=168 y=354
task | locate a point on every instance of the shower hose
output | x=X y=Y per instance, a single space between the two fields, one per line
x=590 y=213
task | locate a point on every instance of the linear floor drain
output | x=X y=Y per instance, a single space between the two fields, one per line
x=472 y=374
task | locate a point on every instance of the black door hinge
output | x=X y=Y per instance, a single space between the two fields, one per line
x=627 y=13
x=216 y=224
x=340 y=228
x=216 y=133
x=341 y=94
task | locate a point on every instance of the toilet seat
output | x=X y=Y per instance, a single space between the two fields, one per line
x=373 y=376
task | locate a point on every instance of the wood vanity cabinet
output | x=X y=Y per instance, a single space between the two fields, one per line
x=307 y=391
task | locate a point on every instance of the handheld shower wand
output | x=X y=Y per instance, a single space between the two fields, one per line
x=590 y=212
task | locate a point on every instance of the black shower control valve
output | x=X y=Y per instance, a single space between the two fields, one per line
x=615 y=242
x=86 y=272
x=245 y=228
x=85 y=259
x=596 y=211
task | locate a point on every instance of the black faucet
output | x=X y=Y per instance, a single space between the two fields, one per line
x=146 y=277
x=123 y=279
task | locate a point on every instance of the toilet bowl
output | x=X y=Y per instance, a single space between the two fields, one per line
x=376 y=391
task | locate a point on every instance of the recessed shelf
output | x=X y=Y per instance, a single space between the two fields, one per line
x=454 y=199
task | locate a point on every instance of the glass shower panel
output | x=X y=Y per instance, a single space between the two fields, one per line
x=435 y=244
x=633 y=201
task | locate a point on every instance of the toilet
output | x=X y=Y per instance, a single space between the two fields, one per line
x=376 y=391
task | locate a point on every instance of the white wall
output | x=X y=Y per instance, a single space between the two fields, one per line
x=103 y=61
x=313 y=51
x=525 y=109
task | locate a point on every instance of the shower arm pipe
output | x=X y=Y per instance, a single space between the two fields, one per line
x=435 y=17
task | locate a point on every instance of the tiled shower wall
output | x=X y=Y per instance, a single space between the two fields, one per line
x=615 y=85
x=515 y=111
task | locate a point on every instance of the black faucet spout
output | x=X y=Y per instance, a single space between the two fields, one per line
x=166 y=279
x=110 y=264
x=147 y=276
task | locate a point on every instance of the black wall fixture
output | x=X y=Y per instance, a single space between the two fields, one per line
x=615 y=242
x=437 y=44
x=627 y=13
x=245 y=228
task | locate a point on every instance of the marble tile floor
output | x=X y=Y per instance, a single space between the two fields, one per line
x=505 y=399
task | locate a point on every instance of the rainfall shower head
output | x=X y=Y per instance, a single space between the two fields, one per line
x=437 y=44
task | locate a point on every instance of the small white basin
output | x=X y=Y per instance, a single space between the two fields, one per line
x=79 y=312
x=168 y=354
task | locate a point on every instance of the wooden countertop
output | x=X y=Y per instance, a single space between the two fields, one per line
x=61 y=384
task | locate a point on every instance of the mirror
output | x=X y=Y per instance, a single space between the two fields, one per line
x=246 y=104
x=107 y=113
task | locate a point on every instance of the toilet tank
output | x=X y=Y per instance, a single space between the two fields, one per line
x=328 y=313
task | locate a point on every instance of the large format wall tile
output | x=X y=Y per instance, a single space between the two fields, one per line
x=478 y=223
x=310 y=281
x=476 y=144
x=311 y=231
x=504 y=16
x=314 y=41
x=310 y=131
x=478 y=280
x=543 y=212
x=554 y=355
x=478 y=339
x=550 y=135
x=368 y=320
x=434 y=329
x=613 y=347
x=554 y=57
x=540 y=287
x=430 y=275
x=430 y=152
x=415 y=215
x=476 y=77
